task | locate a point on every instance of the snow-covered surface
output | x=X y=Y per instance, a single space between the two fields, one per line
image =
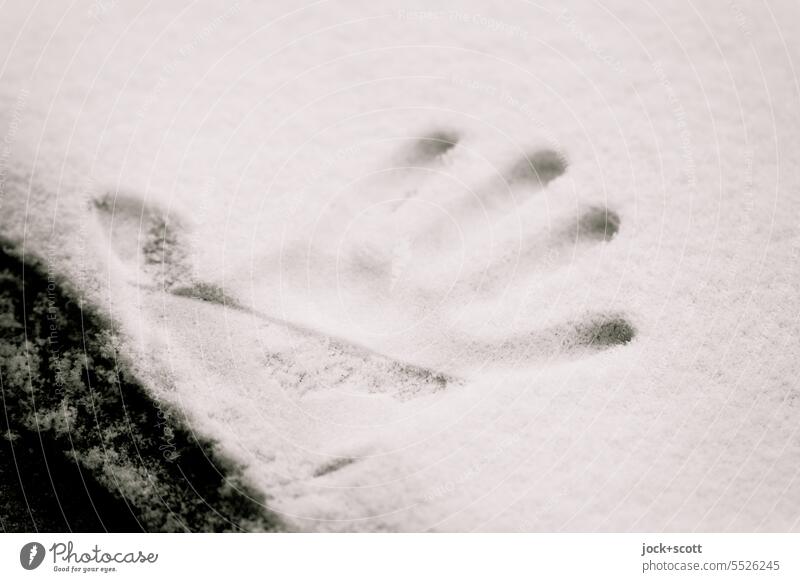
x=434 y=373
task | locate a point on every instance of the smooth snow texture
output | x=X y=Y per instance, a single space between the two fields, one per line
x=453 y=266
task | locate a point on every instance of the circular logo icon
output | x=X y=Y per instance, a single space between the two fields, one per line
x=31 y=555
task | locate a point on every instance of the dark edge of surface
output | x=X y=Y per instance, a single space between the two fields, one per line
x=83 y=446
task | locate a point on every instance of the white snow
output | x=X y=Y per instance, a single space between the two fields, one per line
x=282 y=140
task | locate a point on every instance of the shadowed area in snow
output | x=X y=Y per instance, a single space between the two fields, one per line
x=540 y=168
x=85 y=448
x=433 y=146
